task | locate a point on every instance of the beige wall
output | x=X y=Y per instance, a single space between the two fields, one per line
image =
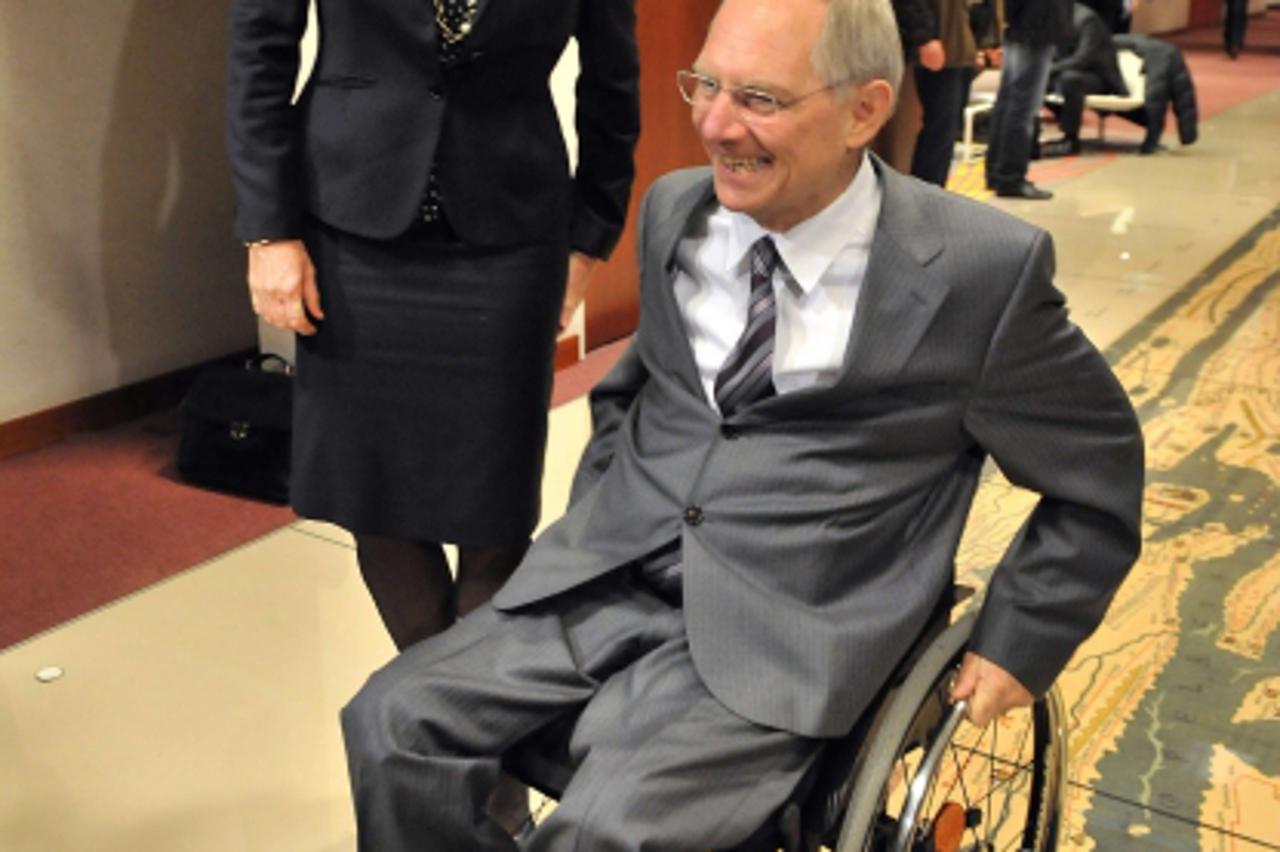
x=117 y=261
x=1163 y=16
x=1160 y=16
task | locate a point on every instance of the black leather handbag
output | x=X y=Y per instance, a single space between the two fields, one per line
x=235 y=434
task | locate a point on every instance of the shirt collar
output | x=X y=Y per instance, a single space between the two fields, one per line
x=811 y=246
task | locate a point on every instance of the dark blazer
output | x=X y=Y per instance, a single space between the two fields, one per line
x=381 y=107
x=1168 y=81
x=1038 y=23
x=917 y=24
x=819 y=527
x=1092 y=50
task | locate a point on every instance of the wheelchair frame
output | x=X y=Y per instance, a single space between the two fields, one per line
x=908 y=744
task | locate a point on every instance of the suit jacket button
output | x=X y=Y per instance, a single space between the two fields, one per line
x=693 y=516
x=435 y=92
x=730 y=431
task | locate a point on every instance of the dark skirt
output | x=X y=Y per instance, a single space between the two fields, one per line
x=421 y=404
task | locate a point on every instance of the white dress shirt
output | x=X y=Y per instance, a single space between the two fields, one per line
x=825 y=258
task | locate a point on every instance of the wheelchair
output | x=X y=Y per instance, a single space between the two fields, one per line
x=912 y=776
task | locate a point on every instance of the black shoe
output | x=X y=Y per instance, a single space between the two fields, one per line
x=1026 y=189
x=1150 y=148
x=1067 y=145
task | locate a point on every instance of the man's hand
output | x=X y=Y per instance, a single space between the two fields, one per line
x=991 y=690
x=580 y=266
x=932 y=55
x=282 y=285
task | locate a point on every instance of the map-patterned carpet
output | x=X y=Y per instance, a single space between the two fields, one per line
x=1174 y=704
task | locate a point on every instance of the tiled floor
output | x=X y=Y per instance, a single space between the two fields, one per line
x=200 y=714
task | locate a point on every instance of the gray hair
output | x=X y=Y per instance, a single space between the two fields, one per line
x=859 y=42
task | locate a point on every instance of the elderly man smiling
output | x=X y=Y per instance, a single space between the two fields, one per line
x=779 y=472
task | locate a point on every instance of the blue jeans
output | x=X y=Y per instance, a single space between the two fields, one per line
x=1013 y=118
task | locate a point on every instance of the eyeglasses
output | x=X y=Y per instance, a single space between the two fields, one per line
x=699 y=90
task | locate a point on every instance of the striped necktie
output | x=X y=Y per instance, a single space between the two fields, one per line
x=747 y=374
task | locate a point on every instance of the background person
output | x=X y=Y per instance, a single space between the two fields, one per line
x=1034 y=28
x=1088 y=65
x=922 y=50
x=1234 y=24
x=943 y=93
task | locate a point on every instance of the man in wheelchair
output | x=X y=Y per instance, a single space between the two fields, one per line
x=780 y=469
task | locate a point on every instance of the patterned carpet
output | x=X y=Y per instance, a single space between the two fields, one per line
x=1175 y=701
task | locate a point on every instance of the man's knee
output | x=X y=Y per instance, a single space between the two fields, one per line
x=394 y=715
x=383 y=720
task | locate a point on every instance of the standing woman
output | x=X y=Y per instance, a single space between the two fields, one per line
x=414 y=219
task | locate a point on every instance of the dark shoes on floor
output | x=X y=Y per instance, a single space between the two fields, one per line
x=1025 y=189
x=1067 y=145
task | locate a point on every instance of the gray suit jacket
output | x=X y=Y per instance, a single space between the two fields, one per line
x=819 y=527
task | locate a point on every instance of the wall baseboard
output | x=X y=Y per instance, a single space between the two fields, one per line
x=101 y=411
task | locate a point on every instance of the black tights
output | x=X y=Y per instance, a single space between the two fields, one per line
x=413 y=590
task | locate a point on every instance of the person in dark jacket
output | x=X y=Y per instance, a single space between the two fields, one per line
x=1116 y=14
x=943 y=92
x=1035 y=28
x=1087 y=66
x=414 y=219
x=922 y=51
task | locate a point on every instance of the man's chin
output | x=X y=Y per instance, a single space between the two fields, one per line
x=733 y=198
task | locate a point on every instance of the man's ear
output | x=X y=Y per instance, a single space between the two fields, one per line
x=870 y=106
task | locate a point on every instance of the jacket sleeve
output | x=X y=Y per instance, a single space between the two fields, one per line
x=611 y=399
x=262 y=137
x=1090 y=46
x=607 y=118
x=1055 y=419
x=917 y=23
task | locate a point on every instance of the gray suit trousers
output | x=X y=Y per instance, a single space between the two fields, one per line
x=662 y=764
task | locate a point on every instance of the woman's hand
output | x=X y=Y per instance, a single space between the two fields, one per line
x=282 y=285
x=580 y=266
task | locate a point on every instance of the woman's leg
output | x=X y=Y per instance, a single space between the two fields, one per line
x=482 y=571
x=410 y=584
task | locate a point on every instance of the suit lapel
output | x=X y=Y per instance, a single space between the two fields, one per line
x=672 y=347
x=900 y=293
x=899 y=297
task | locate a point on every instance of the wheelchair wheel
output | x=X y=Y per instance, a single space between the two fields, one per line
x=928 y=780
